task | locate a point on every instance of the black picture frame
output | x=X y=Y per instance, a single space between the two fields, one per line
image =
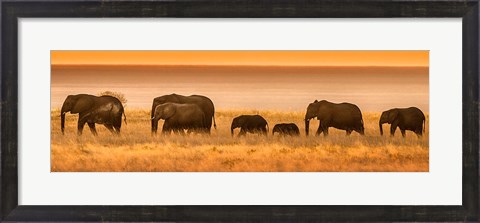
x=12 y=10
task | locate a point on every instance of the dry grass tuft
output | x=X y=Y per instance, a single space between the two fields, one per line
x=119 y=95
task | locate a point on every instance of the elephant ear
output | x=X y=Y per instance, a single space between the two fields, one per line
x=169 y=111
x=392 y=115
x=81 y=104
x=322 y=110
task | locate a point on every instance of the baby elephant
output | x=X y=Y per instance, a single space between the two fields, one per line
x=250 y=124
x=180 y=117
x=411 y=119
x=286 y=129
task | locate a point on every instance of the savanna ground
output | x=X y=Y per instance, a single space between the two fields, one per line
x=135 y=150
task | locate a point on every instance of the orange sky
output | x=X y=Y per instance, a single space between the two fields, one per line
x=284 y=58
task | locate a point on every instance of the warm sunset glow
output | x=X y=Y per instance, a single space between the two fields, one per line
x=259 y=58
x=277 y=85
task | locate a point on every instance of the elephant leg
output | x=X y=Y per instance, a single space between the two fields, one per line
x=176 y=130
x=324 y=127
x=117 y=124
x=110 y=128
x=402 y=130
x=166 y=129
x=196 y=130
x=200 y=130
x=81 y=123
x=419 y=132
x=80 y=127
x=206 y=129
x=325 y=132
x=180 y=131
x=319 y=130
x=349 y=132
x=91 y=125
x=264 y=131
x=393 y=127
x=242 y=132
x=360 y=130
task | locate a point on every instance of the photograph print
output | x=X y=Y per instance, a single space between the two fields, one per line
x=239 y=111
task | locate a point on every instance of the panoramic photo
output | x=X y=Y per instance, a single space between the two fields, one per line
x=239 y=111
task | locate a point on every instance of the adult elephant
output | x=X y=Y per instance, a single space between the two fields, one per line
x=250 y=124
x=180 y=117
x=106 y=110
x=343 y=116
x=290 y=129
x=411 y=119
x=201 y=101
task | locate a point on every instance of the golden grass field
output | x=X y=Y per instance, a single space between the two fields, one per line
x=135 y=150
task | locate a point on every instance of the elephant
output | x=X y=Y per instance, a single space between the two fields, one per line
x=180 y=117
x=203 y=102
x=286 y=129
x=411 y=119
x=343 y=116
x=106 y=110
x=250 y=124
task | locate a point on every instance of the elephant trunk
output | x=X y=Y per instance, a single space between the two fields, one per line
x=154 y=126
x=381 y=127
x=424 y=124
x=62 y=118
x=232 y=128
x=307 y=126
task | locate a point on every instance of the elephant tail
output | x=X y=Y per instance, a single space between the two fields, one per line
x=214 y=123
x=424 y=125
x=362 y=128
x=124 y=118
